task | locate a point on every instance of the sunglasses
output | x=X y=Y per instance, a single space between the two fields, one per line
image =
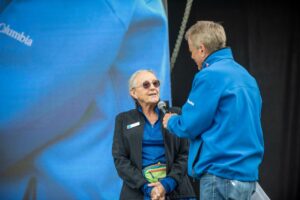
x=147 y=84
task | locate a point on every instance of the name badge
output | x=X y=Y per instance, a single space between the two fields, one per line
x=133 y=125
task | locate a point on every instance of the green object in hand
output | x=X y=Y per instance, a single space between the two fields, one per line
x=154 y=173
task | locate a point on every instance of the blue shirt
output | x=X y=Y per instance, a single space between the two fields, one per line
x=153 y=151
x=221 y=117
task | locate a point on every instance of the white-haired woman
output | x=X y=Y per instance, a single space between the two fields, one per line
x=151 y=162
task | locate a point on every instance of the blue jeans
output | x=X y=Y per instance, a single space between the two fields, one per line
x=215 y=188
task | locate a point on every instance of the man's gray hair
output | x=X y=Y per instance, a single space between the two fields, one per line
x=210 y=34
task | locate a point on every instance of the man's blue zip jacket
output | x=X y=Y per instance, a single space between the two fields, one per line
x=222 y=119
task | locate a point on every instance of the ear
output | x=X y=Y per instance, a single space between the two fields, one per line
x=201 y=48
x=133 y=94
x=202 y=51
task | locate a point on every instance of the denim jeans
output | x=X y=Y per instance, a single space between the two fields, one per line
x=216 y=188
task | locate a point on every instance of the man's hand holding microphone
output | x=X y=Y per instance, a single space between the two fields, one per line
x=163 y=107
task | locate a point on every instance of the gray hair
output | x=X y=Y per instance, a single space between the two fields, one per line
x=132 y=79
x=210 y=34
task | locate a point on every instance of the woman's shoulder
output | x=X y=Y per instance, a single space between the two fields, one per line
x=128 y=113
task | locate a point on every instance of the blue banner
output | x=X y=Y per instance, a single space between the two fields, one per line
x=64 y=69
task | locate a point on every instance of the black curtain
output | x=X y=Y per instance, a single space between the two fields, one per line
x=265 y=39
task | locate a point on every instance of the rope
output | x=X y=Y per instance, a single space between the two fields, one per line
x=181 y=32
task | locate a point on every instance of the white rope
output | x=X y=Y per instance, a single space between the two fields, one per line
x=181 y=32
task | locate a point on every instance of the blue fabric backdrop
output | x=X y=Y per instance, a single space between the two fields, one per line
x=64 y=67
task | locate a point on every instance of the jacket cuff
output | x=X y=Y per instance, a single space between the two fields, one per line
x=146 y=190
x=169 y=184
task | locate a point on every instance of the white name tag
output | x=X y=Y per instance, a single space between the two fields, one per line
x=133 y=125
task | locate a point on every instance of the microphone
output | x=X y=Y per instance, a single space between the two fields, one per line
x=162 y=106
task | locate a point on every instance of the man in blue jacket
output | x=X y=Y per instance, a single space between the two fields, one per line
x=221 y=117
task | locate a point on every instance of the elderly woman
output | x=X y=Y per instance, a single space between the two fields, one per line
x=151 y=162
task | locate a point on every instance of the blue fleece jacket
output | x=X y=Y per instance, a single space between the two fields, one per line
x=221 y=117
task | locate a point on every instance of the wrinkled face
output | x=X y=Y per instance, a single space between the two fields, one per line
x=146 y=89
x=196 y=54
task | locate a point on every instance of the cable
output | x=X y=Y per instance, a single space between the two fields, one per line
x=181 y=32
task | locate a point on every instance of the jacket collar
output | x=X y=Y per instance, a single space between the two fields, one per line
x=215 y=56
x=139 y=109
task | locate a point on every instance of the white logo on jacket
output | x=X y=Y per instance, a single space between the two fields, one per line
x=5 y=29
x=190 y=102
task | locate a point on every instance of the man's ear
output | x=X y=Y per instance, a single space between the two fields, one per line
x=201 y=48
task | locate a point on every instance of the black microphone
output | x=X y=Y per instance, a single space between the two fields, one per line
x=162 y=106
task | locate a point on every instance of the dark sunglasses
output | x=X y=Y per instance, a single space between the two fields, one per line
x=147 y=84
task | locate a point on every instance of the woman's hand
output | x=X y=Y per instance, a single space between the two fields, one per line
x=158 y=192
